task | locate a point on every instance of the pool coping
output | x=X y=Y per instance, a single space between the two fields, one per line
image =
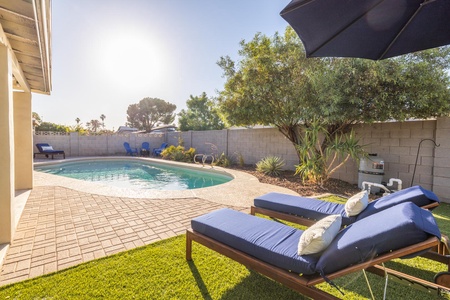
x=240 y=191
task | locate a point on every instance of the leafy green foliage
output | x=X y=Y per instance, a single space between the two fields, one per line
x=223 y=161
x=201 y=114
x=275 y=84
x=36 y=117
x=94 y=125
x=149 y=112
x=269 y=85
x=48 y=126
x=178 y=153
x=357 y=90
x=271 y=165
x=240 y=159
x=317 y=165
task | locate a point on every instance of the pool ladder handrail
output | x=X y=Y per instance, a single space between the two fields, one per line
x=204 y=158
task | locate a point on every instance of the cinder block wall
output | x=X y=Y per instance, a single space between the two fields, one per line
x=97 y=145
x=441 y=163
x=255 y=144
x=396 y=142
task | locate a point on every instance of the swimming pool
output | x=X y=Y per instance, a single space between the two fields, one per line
x=136 y=173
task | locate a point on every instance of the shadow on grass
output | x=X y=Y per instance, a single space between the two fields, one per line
x=252 y=287
x=200 y=283
x=420 y=273
x=256 y=286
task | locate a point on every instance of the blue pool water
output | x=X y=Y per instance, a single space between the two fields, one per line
x=136 y=174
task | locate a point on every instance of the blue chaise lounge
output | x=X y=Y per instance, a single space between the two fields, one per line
x=47 y=150
x=270 y=247
x=306 y=211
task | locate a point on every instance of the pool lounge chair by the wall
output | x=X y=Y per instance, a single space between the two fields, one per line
x=130 y=151
x=157 y=151
x=47 y=150
x=145 y=149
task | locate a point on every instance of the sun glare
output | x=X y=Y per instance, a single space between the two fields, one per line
x=130 y=59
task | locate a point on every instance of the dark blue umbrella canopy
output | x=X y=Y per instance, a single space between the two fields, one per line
x=373 y=29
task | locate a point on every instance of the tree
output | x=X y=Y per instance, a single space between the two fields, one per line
x=48 y=126
x=274 y=83
x=78 y=128
x=149 y=112
x=36 y=117
x=269 y=85
x=356 y=90
x=201 y=114
x=103 y=117
x=93 y=125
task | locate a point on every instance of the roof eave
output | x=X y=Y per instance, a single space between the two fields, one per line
x=42 y=11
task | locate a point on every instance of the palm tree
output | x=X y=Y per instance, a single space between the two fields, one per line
x=94 y=125
x=78 y=127
x=103 y=117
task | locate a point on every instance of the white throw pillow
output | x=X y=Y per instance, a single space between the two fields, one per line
x=46 y=148
x=317 y=237
x=356 y=204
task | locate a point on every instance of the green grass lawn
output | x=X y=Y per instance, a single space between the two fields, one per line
x=160 y=271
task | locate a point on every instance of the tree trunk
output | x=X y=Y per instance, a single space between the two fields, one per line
x=291 y=132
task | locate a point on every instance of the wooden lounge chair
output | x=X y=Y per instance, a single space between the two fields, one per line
x=265 y=246
x=47 y=150
x=306 y=211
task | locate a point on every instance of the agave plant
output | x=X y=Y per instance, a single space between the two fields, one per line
x=270 y=165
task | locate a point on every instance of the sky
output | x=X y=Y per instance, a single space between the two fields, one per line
x=108 y=54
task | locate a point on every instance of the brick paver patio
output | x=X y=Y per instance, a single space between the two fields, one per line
x=61 y=227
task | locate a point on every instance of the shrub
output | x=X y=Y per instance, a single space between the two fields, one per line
x=223 y=161
x=178 y=153
x=270 y=165
x=240 y=159
x=169 y=152
x=317 y=164
x=190 y=154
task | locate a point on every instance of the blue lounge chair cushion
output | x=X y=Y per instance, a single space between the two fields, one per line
x=399 y=226
x=415 y=194
x=301 y=206
x=317 y=209
x=269 y=241
x=46 y=148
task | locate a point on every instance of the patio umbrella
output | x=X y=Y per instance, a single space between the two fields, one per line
x=374 y=29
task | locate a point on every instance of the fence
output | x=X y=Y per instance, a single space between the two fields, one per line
x=74 y=144
x=396 y=142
